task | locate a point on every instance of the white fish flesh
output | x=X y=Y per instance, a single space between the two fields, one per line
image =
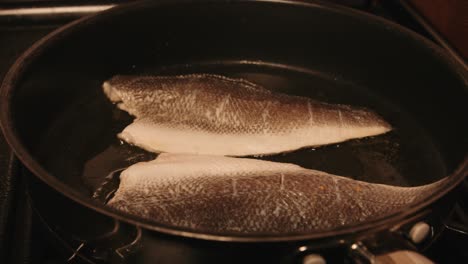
x=210 y=114
x=224 y=195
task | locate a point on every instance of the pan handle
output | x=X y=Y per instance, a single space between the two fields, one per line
x=360 y=254
x=396 y=246
x=402 y=256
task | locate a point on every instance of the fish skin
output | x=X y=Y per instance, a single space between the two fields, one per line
x=219 y=194
x=211 y=114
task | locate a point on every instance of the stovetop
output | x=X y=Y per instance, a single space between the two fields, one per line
x=22 y=236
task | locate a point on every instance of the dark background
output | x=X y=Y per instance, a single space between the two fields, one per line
x=22 y=241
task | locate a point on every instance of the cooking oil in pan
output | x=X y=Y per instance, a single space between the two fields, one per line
x=89 y=150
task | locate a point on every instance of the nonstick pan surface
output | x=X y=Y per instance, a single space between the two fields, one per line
x=62 y=127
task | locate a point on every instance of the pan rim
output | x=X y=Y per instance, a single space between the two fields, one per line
x=21 y=64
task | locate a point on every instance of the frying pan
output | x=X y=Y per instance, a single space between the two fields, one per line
x=63 y=129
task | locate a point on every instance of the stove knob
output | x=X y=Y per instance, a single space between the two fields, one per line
x=419 y=232
x=313 y=259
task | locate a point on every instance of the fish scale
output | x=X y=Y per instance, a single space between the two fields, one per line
x=197 y=191
x=212 y=114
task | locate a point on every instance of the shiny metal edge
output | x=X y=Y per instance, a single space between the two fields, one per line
x=52 y=11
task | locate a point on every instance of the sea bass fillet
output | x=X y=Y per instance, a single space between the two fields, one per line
x=225 y=194
x=210 y=114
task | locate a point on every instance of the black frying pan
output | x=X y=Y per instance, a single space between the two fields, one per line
x=62 y=127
